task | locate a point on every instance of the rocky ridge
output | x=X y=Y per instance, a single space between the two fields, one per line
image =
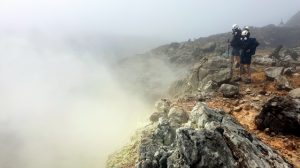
x=210 y=115
x=168 y=62
x=181 y=137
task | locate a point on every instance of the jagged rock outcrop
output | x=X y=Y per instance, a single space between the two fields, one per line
x=210 y=139
x=206 y=77
x=162 y=108
x=280 y=115
x=280 y=56
x=177 y=116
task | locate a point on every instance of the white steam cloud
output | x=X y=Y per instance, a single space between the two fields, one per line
x=58 y=108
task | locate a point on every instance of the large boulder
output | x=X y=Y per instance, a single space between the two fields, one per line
x=282 y=83
x=229 y=90
x=280 y=115
x=295 y=93
x=212 y=139
x=273 y=72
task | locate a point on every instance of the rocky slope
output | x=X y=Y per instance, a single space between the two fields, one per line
x=168 y=62
x=184 y=133
x=211 y=120
x=294 y=21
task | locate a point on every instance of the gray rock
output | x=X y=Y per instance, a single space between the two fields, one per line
x=280 y=115
x=265 y=60
x=290 y=55
x=229 y=90
x=288 y=71
x=295 y=93
x=282 y=83
x=156 y=115
x=177 y=116
x=216 y=141
x=206 y=76
x=237 y=109
x=162 y=106
x=202 y=148
x=273 y=72
x=164 y=134
x=287 y=58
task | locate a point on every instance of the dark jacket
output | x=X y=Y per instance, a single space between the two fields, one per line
x=236 y=38
x=248 y=46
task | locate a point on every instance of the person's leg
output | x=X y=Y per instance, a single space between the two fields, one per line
x=238 y=62
x=249 y=72
x=241 y=70
x=242 y=64
x=236 y=57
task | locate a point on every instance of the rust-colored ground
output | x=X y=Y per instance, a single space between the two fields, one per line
x=287 y=145
x=251 y=102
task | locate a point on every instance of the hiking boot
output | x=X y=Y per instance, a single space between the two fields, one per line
x=237 y=65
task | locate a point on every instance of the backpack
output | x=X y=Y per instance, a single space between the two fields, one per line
x=253 y=45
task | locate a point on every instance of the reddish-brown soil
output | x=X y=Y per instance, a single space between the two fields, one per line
x=259 y=91
x=287 y=145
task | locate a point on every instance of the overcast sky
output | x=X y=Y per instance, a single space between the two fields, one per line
x=166 y=19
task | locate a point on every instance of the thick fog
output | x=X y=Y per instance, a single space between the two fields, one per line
x=170 y=20
x=60 y=105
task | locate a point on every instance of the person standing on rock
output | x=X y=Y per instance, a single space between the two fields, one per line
x=235 y=43
x=248 y=48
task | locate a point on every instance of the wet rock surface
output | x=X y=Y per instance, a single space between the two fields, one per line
x=280 y=115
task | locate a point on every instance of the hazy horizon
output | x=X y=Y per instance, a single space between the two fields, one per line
x=167 y=20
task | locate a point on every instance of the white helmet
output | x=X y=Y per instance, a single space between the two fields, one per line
x=245 y=33
x=246 y=28
x=235 y=26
